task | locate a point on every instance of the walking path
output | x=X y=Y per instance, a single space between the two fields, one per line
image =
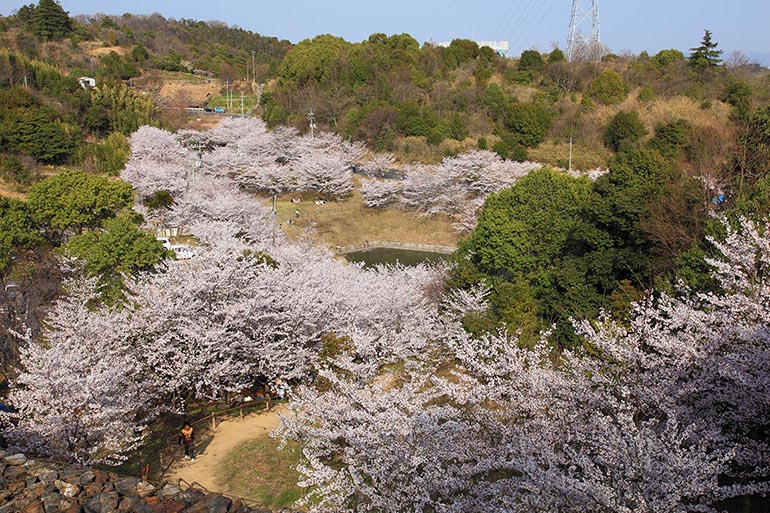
x=227 y=436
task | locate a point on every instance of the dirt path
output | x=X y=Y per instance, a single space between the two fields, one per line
x=227 y=436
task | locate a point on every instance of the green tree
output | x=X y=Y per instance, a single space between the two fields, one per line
x=531 y=61
x=608 y=88
x=17 y=231
x=50 y=22
x=76 y=201
x=116 y=67
x=112 y=154
x=739 y=94
x=752 y=161
x=460 y=51
x=519 y=248
x=665 y=58
x=139 y=53
x=313 y=61
x=495 y=100
x=117 y=248
x=706 y=55
x=528 y=122
x=27 y=126
x=125 y=110
x=161 y=199
x=556 y=55
x=670 y=138
x=624 y=131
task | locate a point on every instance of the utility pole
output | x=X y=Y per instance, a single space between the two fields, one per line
x=241 y=104
x=275 y=215
x=227 y=98
x=311 y=120
x=253 y=68
x=570 y=155
x=577 y=41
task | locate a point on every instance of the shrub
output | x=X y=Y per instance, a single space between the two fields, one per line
x=161 y=199
x=608 y=88
x=112 y=154
x=624 y=131
x=646 y=94
x=738 y=94
x=531 y=60
x=670 y=138
x=665 y=57
x=556 y=56
x=528 y=122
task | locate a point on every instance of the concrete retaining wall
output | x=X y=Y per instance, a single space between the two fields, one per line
x=409 y=246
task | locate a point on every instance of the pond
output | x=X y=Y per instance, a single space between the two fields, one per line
x=374 y=256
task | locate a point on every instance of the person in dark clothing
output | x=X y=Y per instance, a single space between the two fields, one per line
x=187 y=437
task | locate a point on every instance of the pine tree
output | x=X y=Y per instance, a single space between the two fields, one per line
x=706 y=55
x=50 y=22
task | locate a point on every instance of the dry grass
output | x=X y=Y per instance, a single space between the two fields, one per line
x=258 y=470
x=8 y=191
x=664 y=110
x=584 y=157
x=346 y=222
x=95 y=49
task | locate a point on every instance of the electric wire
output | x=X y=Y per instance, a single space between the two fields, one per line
x=503 y=21
x=539 y=12
x=527 y=22
x=522 y=19
x=537 y=25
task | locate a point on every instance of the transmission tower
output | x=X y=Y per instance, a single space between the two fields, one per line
x=578 y=42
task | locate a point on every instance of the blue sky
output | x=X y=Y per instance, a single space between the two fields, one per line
x=625 y=25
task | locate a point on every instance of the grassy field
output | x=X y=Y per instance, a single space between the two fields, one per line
x=258 y=470
x=346 y=222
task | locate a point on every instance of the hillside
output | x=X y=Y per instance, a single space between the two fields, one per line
x=420 y=103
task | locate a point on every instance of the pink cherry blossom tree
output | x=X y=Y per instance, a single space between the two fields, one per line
x=668 y=417
x=81 y=396
x=157 y=162
x=457 y=187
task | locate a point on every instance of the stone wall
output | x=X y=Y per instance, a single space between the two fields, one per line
x=37 y=486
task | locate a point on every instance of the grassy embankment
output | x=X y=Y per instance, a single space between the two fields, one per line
x=258 y=470
x=346 y=222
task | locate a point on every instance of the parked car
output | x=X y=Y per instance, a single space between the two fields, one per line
x=184 y=252
x=219 y=110
x=165 y=241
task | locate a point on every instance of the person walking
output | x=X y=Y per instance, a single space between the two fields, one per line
x=187 y=437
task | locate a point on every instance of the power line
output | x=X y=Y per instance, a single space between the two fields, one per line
x=498 y=32
x=537 y=25
x=522 y=21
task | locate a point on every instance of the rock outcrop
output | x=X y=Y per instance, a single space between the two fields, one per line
x=37 y=486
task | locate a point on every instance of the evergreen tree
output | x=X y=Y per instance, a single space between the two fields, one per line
x=706 y=55
x=50 y=22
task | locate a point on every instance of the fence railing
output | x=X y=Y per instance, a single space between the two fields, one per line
x=167 y=454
